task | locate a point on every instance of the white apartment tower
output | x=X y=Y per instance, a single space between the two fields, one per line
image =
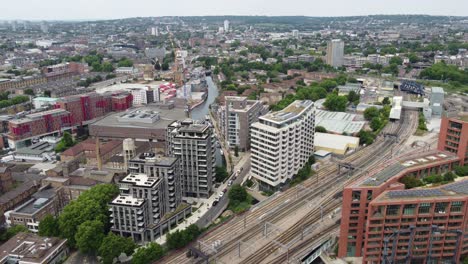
x=335 y=53
x=226 y=26
x=281 y=143
x=129 y=151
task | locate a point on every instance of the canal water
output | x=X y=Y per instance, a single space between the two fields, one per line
x=202 y=110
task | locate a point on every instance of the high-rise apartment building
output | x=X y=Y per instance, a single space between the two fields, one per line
x=193 y=144
x=240 y=114
x=453 y=135
x=295 y=33
x=147 y=194
x=226 y=26
x=335 y=53
x=281 y=143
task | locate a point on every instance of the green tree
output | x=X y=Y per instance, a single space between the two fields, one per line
x=90 y=205
x=124 y=62
x=371 y=113
x=89 y=236
x=29 y=91
x=113 y=245
x=96 y=67
x=396 y=60
x=49 y=226
x=165 y=66
x=449 y=176
x=386 y=101
x=47 y=93
x=353 y=97
x=237 y=193
x=461 y=170
x=148 y=254
x=221 y=174
x=12 y=231
x=375 y=123
x=236 y=151
x=366 y=137
x=180 y=239
x=335 y=102
x=320 y=129
x=107 y=67
x=413 y=58
x=411 y=182
x=288 y=52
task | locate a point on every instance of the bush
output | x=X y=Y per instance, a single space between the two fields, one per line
x=411 y=182
x=434 y=179
x=221 y=174
x=461 y=170
x=180 y=239
x=449 y=176
x=320 y=129
x=371 y=112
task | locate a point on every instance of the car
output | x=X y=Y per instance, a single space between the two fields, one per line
x=217 y=199
x=215 y=203
x=221 y=194
x=230 y=183
x=225 y=190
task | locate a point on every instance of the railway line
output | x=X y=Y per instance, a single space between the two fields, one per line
x=321 y=187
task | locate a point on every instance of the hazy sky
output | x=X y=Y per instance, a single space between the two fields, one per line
x=104 y=9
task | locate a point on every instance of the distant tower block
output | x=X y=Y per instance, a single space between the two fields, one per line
x=129 y=151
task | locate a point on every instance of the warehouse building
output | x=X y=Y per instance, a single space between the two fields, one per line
x=336 y=144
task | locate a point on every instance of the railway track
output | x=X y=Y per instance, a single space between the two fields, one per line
x=249 y=225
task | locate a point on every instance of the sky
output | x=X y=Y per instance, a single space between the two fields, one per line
x=109 y=9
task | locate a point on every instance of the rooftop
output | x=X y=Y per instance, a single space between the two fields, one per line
x=128 y=200
x=154 y=159
x=31 y=248
x=292 y=111
x=398 y=166
x=140 y=180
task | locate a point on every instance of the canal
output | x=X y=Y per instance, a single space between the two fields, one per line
x=202 y=110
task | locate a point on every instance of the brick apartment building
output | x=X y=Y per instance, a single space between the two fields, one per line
x=69 y=68
x=377 y=205
x=70 y=112
x=454 y=135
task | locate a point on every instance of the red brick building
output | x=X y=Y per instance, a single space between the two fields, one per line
x=42 y=123
x=454 y=135
x=86 y=107
x=361 y=197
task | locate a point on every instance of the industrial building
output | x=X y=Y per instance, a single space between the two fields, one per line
x=437 y=101
x=338 y=122
x=453 y=135
x=148 y=123
x=336 y=144
x=193 y=143
x=240 y=114
x=361 y=237
x=281 y=143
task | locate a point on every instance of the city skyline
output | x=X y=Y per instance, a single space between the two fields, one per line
x=102 y=9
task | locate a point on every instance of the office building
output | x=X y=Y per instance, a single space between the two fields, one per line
x=32 y=249
x=453 y=135
x=281 y=143
x=335 y=53
x=240 y=114
x=378 y=203
x=193 y=144
x=226 y=26
x=148 y=194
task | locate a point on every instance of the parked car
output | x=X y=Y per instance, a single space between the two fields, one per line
x=225 y=190
x=215 y=202
x=221 y=194
x=230 y=183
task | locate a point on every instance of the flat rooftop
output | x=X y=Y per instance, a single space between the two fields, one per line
x=128 y=200
x=398 y=166
x=166 y=117
x=292 y=111
x=455 y=189
x=338 y=122
x=140 y=180
x=154 y=159
x=32 y=248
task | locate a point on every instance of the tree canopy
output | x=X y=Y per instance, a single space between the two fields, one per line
x=113 y=245
x=148 y=254
x=336 y=102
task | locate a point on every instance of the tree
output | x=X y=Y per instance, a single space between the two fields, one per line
x=237 y=193
x=12 y=231
x=288 y=52
x=165 y=66
x=113 y=245
x=411 y=182
x=47 y=93
x=96 y=66
x=49 y=226
x=236 y=151
x=320 y=129
x=124 y=62
x=179 y=239
x=107 y=67
x=461 y=170
x=366 y=137
x=386 y=101
x=65 y=142
x=90 y=205
x=29 y=91
x=148 y=254
x=336 y=103
x=413 y=58
x=449 y=176
x=371 y=112
x=89 y=236
x=396 y=60
x=353 y=97
x=375 y=123
x=221 y=174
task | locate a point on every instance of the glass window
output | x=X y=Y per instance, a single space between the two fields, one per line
x=409 y=209
x=425 y=208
